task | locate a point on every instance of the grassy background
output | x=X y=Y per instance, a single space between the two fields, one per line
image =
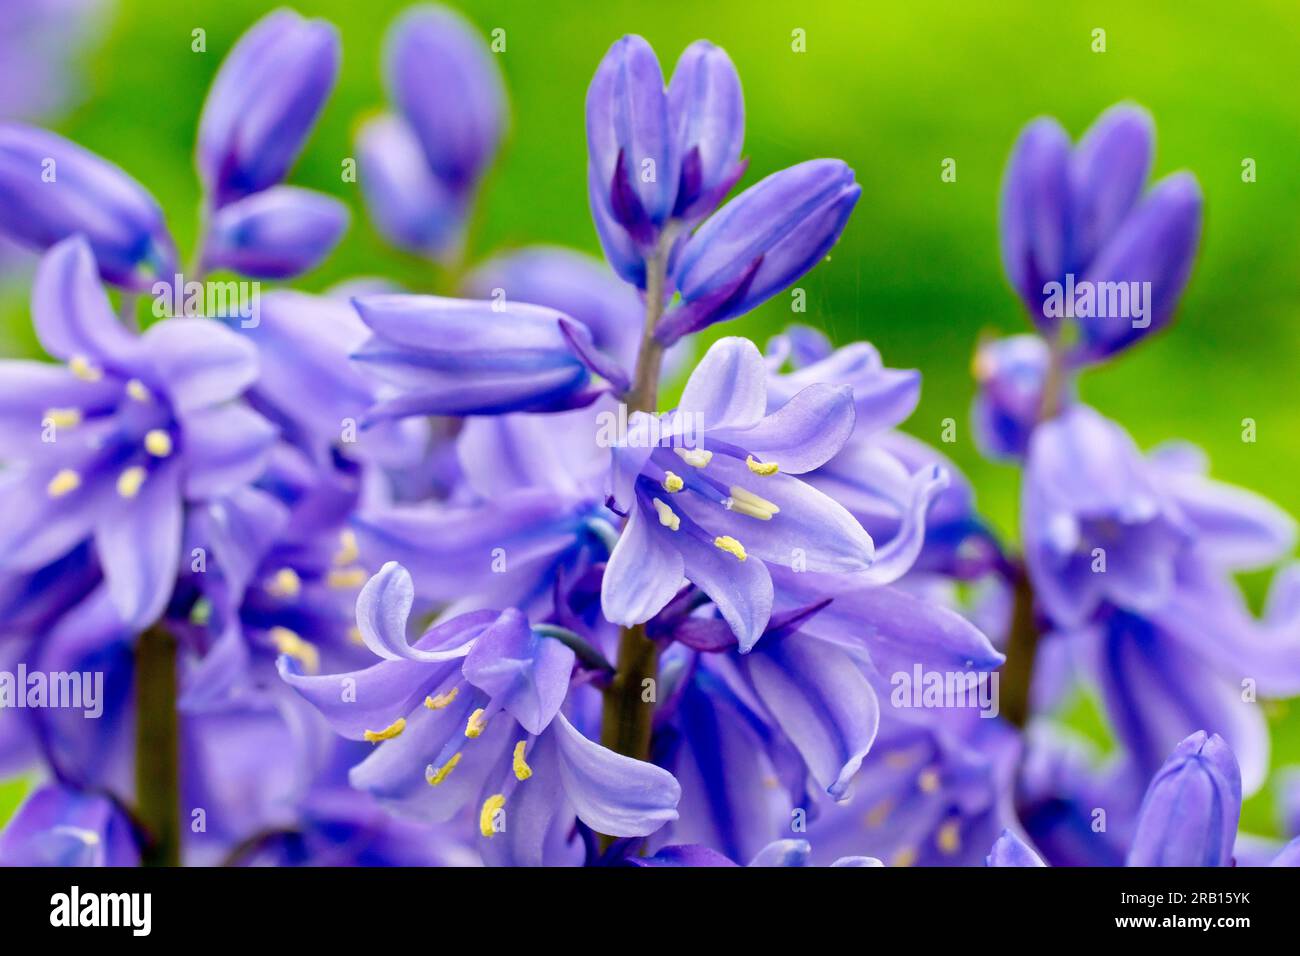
x=892 y=90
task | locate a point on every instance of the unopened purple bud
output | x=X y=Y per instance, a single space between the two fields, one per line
x=631 y=147
x=275 y=234
x=1190 y=811
x=51 y=189
x=707 y=109
x=760 y=243
x=448 y=86
x=1145 y=265
x=1035 y=214
x=1011 y=374
x=264 y=101
x=408 y=204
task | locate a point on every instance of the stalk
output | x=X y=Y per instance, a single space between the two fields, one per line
x=157 y=747
x=1022 y=642
x=627 y=719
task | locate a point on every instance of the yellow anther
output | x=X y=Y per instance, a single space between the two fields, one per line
x=289 y=643
x=928 y=780
x=695 y=457
x=673 y=483
x=345 y=579
x=762 y=467
x=666 y=516
x=949 y=837
x=354 y=635
x=487 y=816
x=348 y=551
x=730 y=545
x=898 y=759
x=474 y=726
x=522 y=770
x=81 y=367
x=747 y=503
x=138 y=390
x=880 y=812
x=388 y=733
x=64 y=481
x=158 y=443
x=436 y=777
x=62 y=417
x=285 y=583
x=440 y=701
x=129 y=481
x=904 y=857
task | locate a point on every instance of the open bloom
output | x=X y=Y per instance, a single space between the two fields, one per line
x=1096 y=523
x=113 y=443
x=470 y=715
x=710 y=494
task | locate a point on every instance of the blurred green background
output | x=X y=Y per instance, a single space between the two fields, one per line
x=893 y=90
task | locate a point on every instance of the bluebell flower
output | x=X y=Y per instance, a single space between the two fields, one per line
x=633 y=155
x=880 y=473
x=1095 y=522
x=659 y=160
x=1080 y=212
x=264 y=101
x=1190 y=812
x=314 y=392
x=759 y=244
x=934 y=791
x=51 y=189
x=711 y=496
x=119 y=438
x=1076 y=808
x=62 y=826
x=1188 y=816
x=578 y=286
x=1011 y=375
x=525 y=525
x=461 y=357
x=281 y=578
x=707 y=110
x=421 y=166
x=406 y=201
x=278 y=233
x=447 y=85
x=470 y=716
x=756 y=737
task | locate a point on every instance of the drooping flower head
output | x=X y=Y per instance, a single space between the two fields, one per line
x=711 y=494
x=470 y=716
x=113 y=443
